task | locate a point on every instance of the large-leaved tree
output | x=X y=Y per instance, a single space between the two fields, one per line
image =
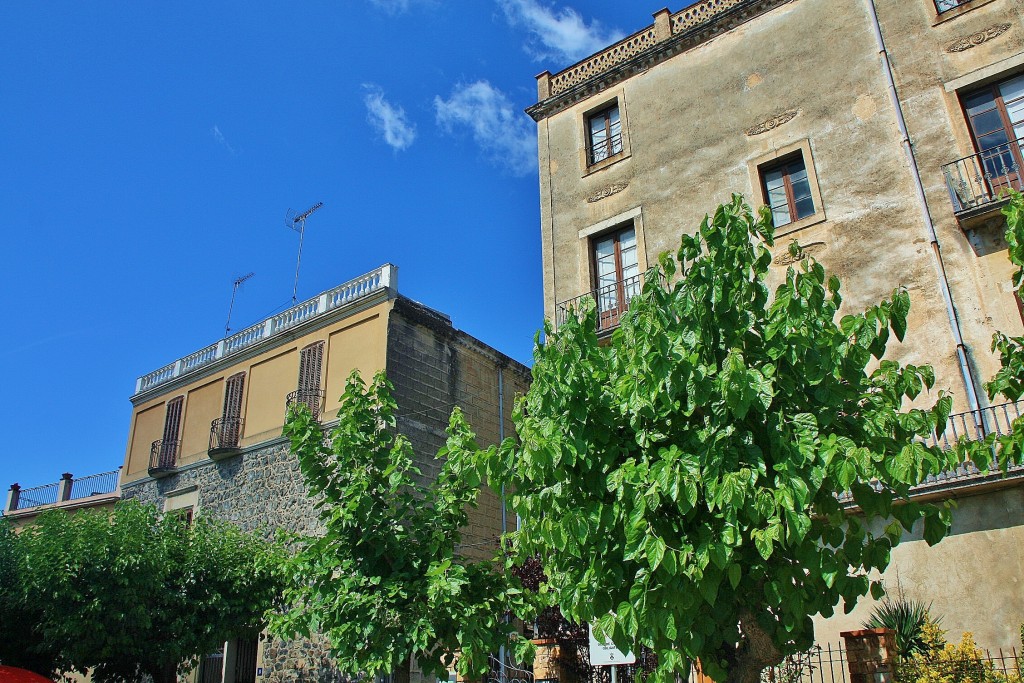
x=1003 y=450
x=132 y=591
x=687 y=484
x=385 y=582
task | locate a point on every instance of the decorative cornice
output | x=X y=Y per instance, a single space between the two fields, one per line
x=976 y=39
x=772 y=123
x=607 y=192
x=683 y=41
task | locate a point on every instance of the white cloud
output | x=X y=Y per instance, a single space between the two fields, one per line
x=557 y=33
x=219 y=137
x=504 y=133
x=388 y=120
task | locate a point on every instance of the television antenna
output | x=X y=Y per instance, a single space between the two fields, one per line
x=234 y=290
x=297 y=222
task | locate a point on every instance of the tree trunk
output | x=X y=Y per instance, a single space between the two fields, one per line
x=164 y=673
x=402 y=672
x=755 y=653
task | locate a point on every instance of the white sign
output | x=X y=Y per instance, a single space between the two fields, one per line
x=605 y=654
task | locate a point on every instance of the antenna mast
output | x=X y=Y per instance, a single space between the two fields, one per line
x=234 y=290
x=298 y=224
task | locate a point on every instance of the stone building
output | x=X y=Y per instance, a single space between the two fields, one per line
x=880 y=133
x=205 y=431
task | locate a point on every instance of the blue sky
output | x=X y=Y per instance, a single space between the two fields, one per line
x=151 y=150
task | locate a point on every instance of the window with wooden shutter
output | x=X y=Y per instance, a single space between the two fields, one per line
x=172 y=433
x=311 y=361
x=227 y=431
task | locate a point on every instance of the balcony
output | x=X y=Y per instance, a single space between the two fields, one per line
x=88 y=490
x=611 y=300
x=978 y=183
x=312 y=398
x=163 y=457
x=225 y=436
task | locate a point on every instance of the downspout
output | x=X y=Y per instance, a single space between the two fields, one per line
x=504 y=511
x=954 y=322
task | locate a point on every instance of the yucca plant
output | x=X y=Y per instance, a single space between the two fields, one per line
x=907 y=618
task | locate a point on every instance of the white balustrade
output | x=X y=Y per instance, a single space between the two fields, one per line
x=353 y=290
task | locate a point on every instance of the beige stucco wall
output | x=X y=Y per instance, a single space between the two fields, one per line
x=973 y=579
x=687 y=150
x=355 y=341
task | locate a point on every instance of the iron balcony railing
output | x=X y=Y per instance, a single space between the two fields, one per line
x=67 y=489
x=611 y=300
x=94 y=485
x=313 y=398
x=599 y=151
x=37 y=495
x=163 y=455
x=983 y=178
x=225 y=433
x=974 y=425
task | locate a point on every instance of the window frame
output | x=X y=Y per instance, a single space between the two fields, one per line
x=785 y=165
x=611 y=146
x=963 y=7
x=609 y=318
x=1013 y=146
x=587 y=164
x=758 y=166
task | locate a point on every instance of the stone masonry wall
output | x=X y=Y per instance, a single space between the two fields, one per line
x=435 y=367
x=260 y=491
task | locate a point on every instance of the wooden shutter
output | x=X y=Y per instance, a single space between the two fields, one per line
x=231 y=417
x=172 y=430
x=311 y=361
x=233 y=396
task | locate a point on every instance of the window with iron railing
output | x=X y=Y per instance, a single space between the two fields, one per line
x=995 y=117
x=604 y=134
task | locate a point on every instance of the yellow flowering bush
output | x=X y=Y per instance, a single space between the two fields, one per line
x=944 y=662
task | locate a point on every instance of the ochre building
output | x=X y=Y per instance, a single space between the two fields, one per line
x=205 y=433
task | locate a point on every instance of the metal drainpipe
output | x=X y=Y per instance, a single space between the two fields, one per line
x=504 y=511
x=954 y=322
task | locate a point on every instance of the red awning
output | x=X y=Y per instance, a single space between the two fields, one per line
x=10 y=674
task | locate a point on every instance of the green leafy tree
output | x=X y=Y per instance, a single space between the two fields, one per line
x=131 y=591
x=1004 y=450
x=685 y=483
x=385 y=581
x=21 y=644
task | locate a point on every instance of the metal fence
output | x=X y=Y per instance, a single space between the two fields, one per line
x=983 y=178
x=94 y=485
x=38 y=495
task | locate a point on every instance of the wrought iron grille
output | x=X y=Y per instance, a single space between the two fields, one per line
x=225 y=433
x=975 y=425
x=508 y=671
x=37 y=495
x=602 y=149
x=611 y=302
x=312 y=398
x=984 y=177
x=94 y=485
x=164 y=454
